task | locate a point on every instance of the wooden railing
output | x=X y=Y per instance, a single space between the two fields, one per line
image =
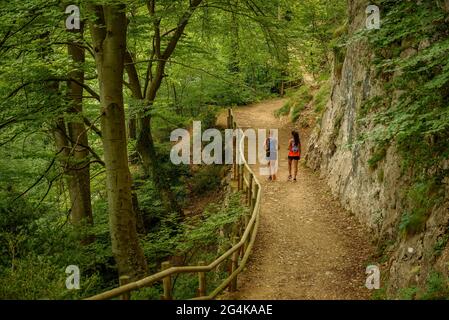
x=248 y=183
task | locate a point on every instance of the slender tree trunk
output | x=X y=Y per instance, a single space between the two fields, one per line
x=63 y=149
x=283 y=55
x=71 y=141
x=136 y=92
x=235 y=47
x=80 y=170
x=132 y=128
x=109 y=34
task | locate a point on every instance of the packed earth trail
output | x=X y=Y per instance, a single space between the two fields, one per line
x=308 y=246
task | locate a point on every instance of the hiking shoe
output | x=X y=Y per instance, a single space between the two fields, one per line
x=289 y=178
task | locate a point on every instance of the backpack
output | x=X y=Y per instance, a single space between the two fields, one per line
x=295 y=148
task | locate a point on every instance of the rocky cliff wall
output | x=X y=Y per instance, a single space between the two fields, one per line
x=375 y=195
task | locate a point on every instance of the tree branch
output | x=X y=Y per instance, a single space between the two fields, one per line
x=85 y=86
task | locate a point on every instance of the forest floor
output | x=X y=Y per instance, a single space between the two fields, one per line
x=308 y=246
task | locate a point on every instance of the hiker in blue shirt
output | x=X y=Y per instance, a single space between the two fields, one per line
x=271 y=148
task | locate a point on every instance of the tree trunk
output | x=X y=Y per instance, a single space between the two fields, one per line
x=63 y=149
x=235 y=47
x=71 y=141
x=151 y=165
x=284 y=58
x=132 y=128
x=109 y=34
x=136 y=92
x=80 y=170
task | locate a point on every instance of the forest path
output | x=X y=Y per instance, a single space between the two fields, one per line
x=307 y=246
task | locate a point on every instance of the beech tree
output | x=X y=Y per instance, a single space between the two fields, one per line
x=109 y=41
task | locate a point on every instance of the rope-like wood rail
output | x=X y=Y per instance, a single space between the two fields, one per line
x=239 y=253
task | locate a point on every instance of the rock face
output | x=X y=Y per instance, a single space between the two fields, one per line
x=375 y=196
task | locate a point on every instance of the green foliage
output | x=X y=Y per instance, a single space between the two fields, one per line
x=207 y=179
x=35 y=278
x=380 y=294
x=296 y=112
x=316 y=28
x=35 y=263
x=377 y=156
x=422 y=197
x=198 y=238
x=412 y=113
x=418 y=121
x=441 y=244
x=283 y=111
x=338 y=47
x=407 y=293
x=437 y=287
x=297 y=102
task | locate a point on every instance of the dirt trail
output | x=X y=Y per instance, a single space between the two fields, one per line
x=307 y=247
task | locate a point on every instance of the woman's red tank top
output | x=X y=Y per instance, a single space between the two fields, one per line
x=294 y=151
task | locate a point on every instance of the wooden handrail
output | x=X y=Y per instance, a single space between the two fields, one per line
x=246 y=241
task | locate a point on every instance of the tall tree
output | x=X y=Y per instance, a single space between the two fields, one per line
x=109 y=40
x=80 y=170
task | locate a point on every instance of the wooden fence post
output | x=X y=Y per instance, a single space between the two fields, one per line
x=201 y=281
x=253 y=198
x=250 y=190
x=234 y=266
x=242 y=176
x=123 y=280
x=236 y=150
x=166 y=282
x=239 y=175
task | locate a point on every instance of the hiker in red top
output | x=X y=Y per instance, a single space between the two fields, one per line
x=294 y=155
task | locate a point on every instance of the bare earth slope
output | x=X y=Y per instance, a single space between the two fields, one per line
x=307 y=247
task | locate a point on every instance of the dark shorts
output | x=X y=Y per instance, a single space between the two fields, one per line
x=294 y=158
